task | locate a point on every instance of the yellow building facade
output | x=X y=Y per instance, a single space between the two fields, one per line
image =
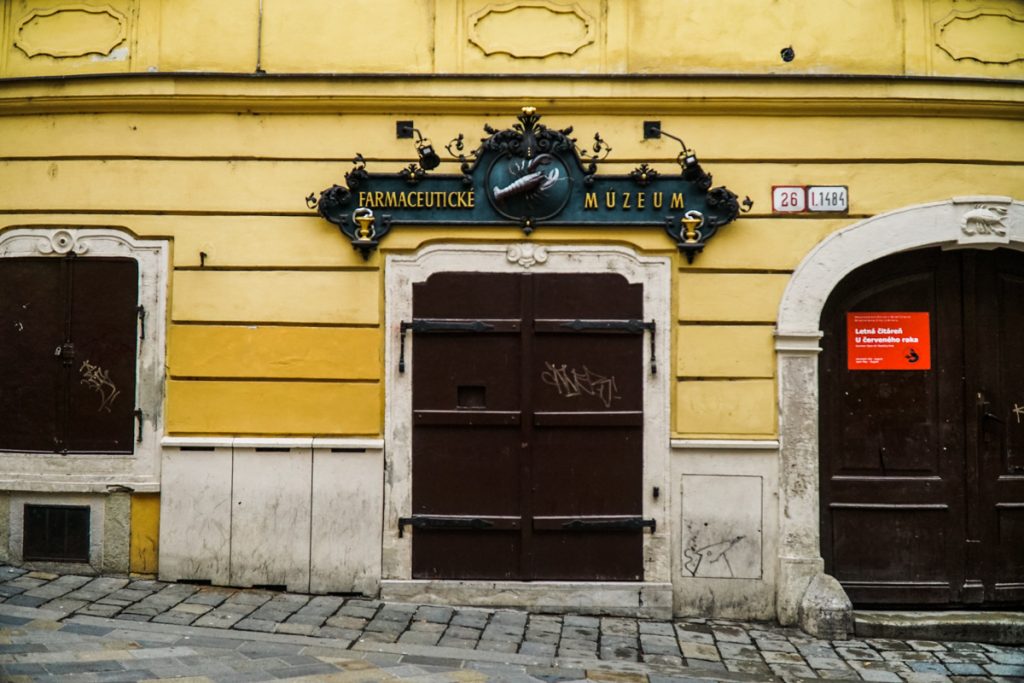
x=275 y=441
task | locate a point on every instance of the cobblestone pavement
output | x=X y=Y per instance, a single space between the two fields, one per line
x=116 y=629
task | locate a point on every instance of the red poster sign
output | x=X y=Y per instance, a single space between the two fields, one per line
x=888 y=341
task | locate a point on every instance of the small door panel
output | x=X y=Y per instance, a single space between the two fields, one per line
x=104 y=329
x=466 y=471
x=31 y=331
x=1000 y=305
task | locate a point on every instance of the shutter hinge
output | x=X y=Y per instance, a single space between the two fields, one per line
x=138 y=425
x=142 y=322
x=654 y=361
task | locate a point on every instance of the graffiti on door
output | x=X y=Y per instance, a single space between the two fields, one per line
x=570 y=382
x=98 y=379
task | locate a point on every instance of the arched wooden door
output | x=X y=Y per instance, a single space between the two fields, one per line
x=922 y=429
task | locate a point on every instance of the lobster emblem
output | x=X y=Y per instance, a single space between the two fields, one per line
x=984 y=220
x=530 y=182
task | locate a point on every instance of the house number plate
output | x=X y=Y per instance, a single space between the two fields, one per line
x=830 y=198
x=810 y=198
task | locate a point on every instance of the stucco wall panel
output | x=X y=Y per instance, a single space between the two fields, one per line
x=225 y=407
x=365 y=36
x=349 y=297
x=261 y=351
x=196 y=486
x=196 y=35
x=725 y=409
x=749 y=351
x=731 y=35
x=749 y=297
x=766 y=242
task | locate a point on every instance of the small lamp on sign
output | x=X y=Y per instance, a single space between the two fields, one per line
x=428 y=158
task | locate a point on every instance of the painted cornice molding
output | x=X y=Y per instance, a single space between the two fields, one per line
x=637 y=95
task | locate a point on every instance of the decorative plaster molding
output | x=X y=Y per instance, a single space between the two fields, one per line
x=496 y=29
x=986 y=35
x=450 y=95
x=62 y=242
x=102 y=29
x=527 y=255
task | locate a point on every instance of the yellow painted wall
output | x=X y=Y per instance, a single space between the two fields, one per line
x=892 y=37
x=145 y=531
x=276 y=324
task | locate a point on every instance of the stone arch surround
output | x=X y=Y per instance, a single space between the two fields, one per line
x=804 y=594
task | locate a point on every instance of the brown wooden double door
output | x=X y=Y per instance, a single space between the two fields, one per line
x=527 y=427
x=68 y=331
x=922 y=472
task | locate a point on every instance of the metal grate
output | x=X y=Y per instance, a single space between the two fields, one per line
x=56 y=533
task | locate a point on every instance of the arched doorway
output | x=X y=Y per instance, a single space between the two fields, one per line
x=979 y=222
x=921 y=450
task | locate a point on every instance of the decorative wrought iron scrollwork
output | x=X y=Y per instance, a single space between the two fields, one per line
x=413 y=173
x=358 y=175
x=591 y=159
x=643 y=174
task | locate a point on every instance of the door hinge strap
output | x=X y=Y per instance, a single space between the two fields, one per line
x=138 y=424
x=142 y=322
x=634 y=326
x=611 y=524
x=436 y=326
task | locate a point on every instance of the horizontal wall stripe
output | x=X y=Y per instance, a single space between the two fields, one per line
x=274 y=408
x=262 y=353
x=351 y=297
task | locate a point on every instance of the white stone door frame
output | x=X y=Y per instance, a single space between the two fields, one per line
x=140 y=470
x=982 y=222
x=654 y=594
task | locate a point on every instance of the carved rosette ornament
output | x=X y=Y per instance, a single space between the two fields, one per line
x=62 y=242
x=527 y=255
x=529 y=175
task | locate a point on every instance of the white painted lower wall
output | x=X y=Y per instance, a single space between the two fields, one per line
x=301 y=513
x=724 y=528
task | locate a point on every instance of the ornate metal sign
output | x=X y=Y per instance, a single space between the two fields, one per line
x=528 y=175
